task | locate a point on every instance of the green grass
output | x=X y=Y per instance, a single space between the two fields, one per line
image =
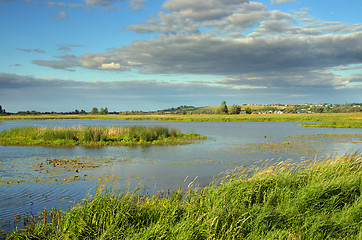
x=95 y=136
x=344 y=120
x=313 y=200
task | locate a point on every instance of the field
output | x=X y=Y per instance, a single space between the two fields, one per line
x=312 y=200
x=335 y=120
x=95 y=136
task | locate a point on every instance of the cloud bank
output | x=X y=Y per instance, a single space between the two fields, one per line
x=289 y=60
x=66 y=95
x=244 y=41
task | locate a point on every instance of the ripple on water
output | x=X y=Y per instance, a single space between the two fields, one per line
x=18 y=200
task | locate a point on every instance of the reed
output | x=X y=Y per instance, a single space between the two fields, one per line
x=95 y=136
x=312 y=200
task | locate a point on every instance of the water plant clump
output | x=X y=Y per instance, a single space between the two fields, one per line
x=312 y=200
x=95 y=136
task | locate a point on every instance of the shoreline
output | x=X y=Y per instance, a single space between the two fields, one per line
x=329 y=120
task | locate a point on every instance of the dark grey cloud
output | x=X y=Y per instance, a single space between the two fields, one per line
x=66 y=95
x=352 y=67
x=232 y=17
x=356 y=78
x=32 y=50
x=202 y=10
x=297 y=79
x=166 y=24
x=245 y=41
x=66 y=4
x=87 y=4
x=67 y=47
x=67 y=61
x=14 y=81
x=186 y=16
x=287 y=56
x=137 y=4
x=104 y=3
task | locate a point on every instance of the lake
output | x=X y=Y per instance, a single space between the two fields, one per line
x=33 y=178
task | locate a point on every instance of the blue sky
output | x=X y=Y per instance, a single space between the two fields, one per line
x=153 y=54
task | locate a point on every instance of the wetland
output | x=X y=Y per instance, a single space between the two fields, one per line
x=36 y=177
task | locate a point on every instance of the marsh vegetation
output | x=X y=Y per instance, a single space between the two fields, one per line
x=95 y=136
x=311 y=200
x=37 y=177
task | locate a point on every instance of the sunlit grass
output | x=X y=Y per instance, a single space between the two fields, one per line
x=343 y=120
x=312 y=200
x=95 y=136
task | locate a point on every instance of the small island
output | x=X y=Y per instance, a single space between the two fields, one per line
x=95 y=136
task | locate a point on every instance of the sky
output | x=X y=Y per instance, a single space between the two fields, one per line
x=156 y=54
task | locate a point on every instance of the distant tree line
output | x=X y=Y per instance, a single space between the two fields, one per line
x=103 y=111
x=222 y=109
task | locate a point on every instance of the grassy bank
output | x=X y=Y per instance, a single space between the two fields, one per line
x=95 y=136
x=314 y=200
x=345 y=120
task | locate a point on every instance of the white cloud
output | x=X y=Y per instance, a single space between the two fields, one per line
x=60 y=16
x=104 y=3
x=137 y=4
x=111 y=65
x=202 y=10
x=279 y=2
x=249 y=87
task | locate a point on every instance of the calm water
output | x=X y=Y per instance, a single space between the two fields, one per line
x=156 y=168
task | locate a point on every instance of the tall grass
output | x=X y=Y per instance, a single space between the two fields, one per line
x=313 y=200
x=94 y=136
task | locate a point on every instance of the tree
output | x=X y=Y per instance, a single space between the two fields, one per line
x=2 y=110
x=94 y=110
x=248 y=110
x=223 y=109
x=288 y=110
x=104 y=111
x=235 y=109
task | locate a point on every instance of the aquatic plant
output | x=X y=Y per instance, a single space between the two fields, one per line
x=312 y=200
x=95 y=136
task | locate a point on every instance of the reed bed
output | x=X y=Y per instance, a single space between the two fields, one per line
x=95 y=136
x=312 y=200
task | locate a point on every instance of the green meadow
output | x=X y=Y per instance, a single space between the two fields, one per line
x=311 y=200
x=95 y=136
x=334 y=120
